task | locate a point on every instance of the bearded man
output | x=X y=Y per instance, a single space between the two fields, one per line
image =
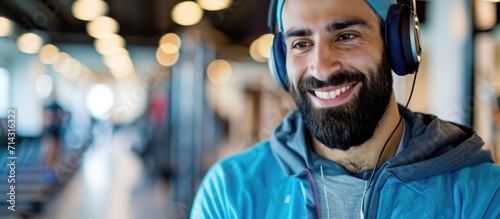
x=351 y=151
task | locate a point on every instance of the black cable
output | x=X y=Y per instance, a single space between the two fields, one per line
x=387 y=141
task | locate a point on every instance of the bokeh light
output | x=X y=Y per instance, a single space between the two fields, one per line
x=219 y=71
x=187 y=13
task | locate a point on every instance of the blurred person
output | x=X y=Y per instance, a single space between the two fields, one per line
x=351 y=151
x=4 y=131
x=53 y=118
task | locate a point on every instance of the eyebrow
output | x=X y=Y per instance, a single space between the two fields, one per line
x=331 y=27
x=297 y=33
x=334 y=26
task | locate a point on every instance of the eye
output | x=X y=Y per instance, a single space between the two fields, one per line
x=300 y=45
x=347 y=36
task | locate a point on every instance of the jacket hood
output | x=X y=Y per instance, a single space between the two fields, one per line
x=430 y=146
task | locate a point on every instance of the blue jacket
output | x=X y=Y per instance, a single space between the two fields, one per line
x=441 y=172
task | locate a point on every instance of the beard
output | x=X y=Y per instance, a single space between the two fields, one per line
x=354 y=122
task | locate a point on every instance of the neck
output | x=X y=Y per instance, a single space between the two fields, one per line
x=364 y=157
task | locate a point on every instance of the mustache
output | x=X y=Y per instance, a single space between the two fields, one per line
x=336 y=79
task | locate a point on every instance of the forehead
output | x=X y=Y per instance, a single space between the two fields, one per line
x=311 y=13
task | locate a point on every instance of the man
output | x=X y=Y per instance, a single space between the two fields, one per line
x=346 y=154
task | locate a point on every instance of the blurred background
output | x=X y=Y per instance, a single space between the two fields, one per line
x=123 y=105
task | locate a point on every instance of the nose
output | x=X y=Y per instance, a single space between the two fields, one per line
x=325 y=60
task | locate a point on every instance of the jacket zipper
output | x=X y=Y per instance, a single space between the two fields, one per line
x=314 y=191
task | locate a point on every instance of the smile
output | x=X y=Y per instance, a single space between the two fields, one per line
x=332 y=94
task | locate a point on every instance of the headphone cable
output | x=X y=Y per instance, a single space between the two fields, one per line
x=369 y=184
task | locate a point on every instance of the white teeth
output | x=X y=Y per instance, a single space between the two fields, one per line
x=332 y=94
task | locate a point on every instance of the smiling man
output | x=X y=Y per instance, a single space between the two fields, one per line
x=340 y=79
x=350 y=151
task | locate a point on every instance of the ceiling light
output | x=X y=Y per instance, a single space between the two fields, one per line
x=122 y=72
x=219 y=71
x=100 y=100
x=260 y=49
x=48 y=54
x=6 y=27
x=166 y=59
x=214 y=5
x=486 y=15
x=67 y=66
x=102 y=26
x=119 y=60
x=109 y=44
x=88 y=10
x=254 y=52
x=63 y=62
x=118 y=50
x=29 y=43
x=169 y=48
x=187 y=13
x=171 y=38
x=264 y=45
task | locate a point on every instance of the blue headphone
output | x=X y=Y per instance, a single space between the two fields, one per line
x=401 y=35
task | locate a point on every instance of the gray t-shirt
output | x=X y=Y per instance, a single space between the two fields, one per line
x=339 y=196
x=340 y=193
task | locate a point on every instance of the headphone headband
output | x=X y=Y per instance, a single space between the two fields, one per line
x=411 y=3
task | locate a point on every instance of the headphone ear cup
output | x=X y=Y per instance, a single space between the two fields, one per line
x=402 y=39
x=277 y=61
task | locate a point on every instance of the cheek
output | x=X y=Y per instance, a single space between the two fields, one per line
x=364 y=59
x=366 y=54
x=295 y=68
